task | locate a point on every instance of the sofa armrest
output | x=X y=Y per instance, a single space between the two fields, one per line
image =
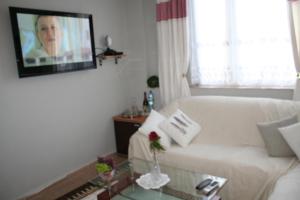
x=139 y=147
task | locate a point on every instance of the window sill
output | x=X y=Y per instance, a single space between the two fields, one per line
x=282 y=93
x=239 y=87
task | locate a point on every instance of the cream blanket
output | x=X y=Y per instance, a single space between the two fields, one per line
x=251 y=173
x=229 y=144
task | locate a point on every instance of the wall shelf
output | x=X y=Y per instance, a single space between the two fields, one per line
x=102 y=57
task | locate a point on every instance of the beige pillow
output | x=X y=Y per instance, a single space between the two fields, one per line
x=291 y=134
x=275 y=143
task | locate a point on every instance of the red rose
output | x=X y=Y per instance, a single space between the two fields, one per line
x=154 y=142
x=153 y=136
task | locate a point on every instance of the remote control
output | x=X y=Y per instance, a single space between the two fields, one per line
x=210 y=188
x=203 y=184
x=214 y=183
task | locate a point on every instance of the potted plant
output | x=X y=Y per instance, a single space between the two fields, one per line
x=105 y=168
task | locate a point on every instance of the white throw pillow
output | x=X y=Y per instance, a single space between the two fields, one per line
x=292 y=136
x=180 y=128
x=151 y=124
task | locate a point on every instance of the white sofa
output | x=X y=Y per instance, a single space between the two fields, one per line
x=230 y=145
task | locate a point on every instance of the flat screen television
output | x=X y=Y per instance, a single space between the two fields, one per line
x=48 y=42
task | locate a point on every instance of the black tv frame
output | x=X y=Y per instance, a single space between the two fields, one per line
x=55 y=68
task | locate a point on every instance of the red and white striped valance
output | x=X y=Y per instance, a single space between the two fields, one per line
x=171 y=9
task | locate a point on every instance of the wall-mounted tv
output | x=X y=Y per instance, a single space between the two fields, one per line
x=48 y=42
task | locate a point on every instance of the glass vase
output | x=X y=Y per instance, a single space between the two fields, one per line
x=155 y=171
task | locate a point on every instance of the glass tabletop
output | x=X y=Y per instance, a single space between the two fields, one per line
x=136 y=192
x=182 y=184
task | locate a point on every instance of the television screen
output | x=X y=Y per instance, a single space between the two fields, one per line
x=51 y=42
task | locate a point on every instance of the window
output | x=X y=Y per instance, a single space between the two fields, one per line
x=241 y=43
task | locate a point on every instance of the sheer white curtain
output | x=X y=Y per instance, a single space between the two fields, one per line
x=241 y=43
x=173 y=51
x=294 y=13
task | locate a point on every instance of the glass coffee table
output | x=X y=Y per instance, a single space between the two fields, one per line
x=182 y=184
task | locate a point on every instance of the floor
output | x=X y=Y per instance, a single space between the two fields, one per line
x=71 y=181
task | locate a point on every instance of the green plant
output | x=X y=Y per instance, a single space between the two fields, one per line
x=104 y=165
x=103 y=168
x=153 y=82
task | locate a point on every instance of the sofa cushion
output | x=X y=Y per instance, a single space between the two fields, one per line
x=291 y=134
x=275 y=143
x=180 y=127
x=151 y=124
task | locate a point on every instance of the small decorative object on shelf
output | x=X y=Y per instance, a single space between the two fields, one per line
x=132 y=112
x=109 y=53
x=155 y=147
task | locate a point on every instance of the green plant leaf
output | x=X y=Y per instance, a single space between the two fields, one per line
x=102 y=167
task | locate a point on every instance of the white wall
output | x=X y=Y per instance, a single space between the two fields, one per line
x=142 y=55
x=136 y=54
x=149 y=9
x=149 y=26
x=51 y=125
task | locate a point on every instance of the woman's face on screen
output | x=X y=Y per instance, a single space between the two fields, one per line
x=49 y=34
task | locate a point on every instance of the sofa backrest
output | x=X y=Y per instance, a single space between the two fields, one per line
x=232 y=120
